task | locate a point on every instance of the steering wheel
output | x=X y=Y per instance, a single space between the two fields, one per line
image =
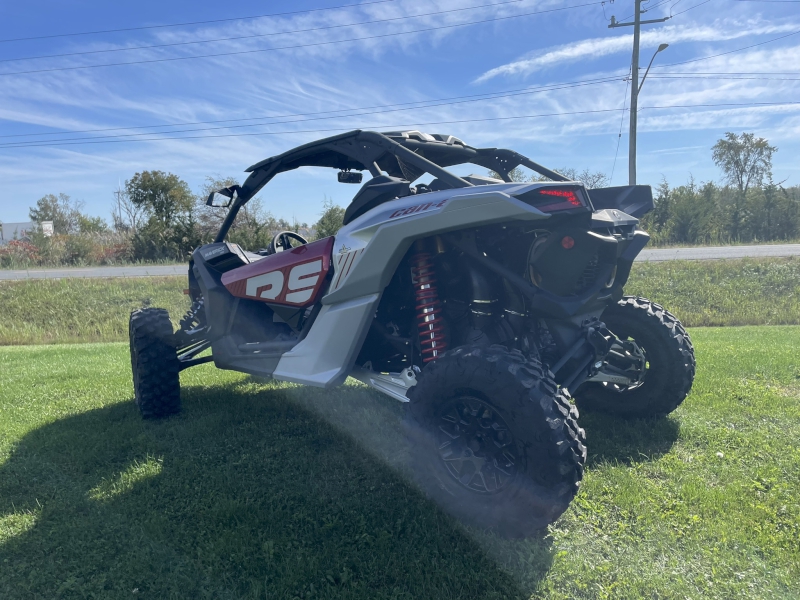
x=283 y=241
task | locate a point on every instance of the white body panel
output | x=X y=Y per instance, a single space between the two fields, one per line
x=366 y=254
x=317 y=360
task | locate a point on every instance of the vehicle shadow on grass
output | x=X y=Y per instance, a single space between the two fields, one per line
x=626 y=441
x=374 y=423
x=248 y=493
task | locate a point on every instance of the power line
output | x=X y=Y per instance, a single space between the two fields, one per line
x=283 y=14
x=726 y=78
x=495 y=96
x=673 y=6
x=685 y=62
x=415 y=105
x=732 y=73
x=690 y=8
x=722 y=104
x=543 y=88
x=391 y=127
x=358 y=39
x=371 y=127
x=621 y=120
x=261 y=35
x=649 y=9
x=656 y=5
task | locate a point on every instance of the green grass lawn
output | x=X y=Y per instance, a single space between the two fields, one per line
x=710 y=293
x=277 y=491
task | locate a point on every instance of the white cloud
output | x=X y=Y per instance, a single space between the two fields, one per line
x=594 y=48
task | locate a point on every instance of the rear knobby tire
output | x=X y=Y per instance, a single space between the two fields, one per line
x=670 y=358
x=154 y=362
x=513 y=458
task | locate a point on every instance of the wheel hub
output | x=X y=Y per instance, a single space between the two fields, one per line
x=624 y=368
x=476 y=445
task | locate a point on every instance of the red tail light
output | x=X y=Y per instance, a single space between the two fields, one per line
x=552 y=199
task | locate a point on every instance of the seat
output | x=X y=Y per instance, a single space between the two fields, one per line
x=375 y=192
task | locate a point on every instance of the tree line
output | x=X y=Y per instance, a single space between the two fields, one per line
x=746 y=206
x=156 y=217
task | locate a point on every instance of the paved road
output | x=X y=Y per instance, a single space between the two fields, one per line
x=151 y=271
x=719 y=252
x=653 y=255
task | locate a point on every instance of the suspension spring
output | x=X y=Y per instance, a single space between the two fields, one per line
x=430 y=322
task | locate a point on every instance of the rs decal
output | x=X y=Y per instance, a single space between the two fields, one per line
x=266 y=286
x=302 y=280
x=295 y=277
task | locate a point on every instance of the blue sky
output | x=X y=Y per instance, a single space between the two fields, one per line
x=513 y=55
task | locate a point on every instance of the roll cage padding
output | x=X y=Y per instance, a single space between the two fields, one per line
x=405 y=155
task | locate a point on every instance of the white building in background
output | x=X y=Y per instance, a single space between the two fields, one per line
x=15 y=231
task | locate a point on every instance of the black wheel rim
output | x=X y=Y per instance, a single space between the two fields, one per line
x=476 y=445
x=628 y=356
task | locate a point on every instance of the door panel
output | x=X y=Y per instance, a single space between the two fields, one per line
x=291 y=278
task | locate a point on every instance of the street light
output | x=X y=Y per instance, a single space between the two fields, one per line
x=660 y=49
x=635 y=89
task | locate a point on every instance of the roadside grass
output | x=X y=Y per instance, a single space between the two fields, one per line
x=44 y=311
x=709 y=293
x=723 y=292
x=26 y=265
x=266 y=490
x=653 y=243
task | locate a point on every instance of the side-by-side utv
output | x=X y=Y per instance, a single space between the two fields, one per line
x=486 y=305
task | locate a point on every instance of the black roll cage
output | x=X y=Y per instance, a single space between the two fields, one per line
x=405 y=154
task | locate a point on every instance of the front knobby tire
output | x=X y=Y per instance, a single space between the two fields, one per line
x=670 y=362
x=154 y=362
x=494 y=441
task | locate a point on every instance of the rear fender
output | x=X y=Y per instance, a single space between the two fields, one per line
x=366 y=254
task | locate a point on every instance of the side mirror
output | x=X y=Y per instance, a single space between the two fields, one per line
x=223 y=198
x=349 y=177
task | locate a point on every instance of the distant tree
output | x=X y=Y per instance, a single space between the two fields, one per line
x=515 y=174
x=694 y=212
x=126 y=217
x=210 y=218
x=253 y=228
x=87 y=224
x=588 y=178
x=744 y=159
x=66 y=215
x=61 y=210
x=163 y=196
x=331 y=219
x=170 y=231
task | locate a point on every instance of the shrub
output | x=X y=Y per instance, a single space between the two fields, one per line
x=78 y=248
x=19 y=254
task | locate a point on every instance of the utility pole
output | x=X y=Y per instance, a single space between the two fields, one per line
x=635 y=86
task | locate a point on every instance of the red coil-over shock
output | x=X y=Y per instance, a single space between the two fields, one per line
x=432 y=336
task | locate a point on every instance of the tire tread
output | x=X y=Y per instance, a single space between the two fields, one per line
x=529 y=395
x=154 y=363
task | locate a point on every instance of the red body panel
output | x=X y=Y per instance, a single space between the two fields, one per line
x=291 y=278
